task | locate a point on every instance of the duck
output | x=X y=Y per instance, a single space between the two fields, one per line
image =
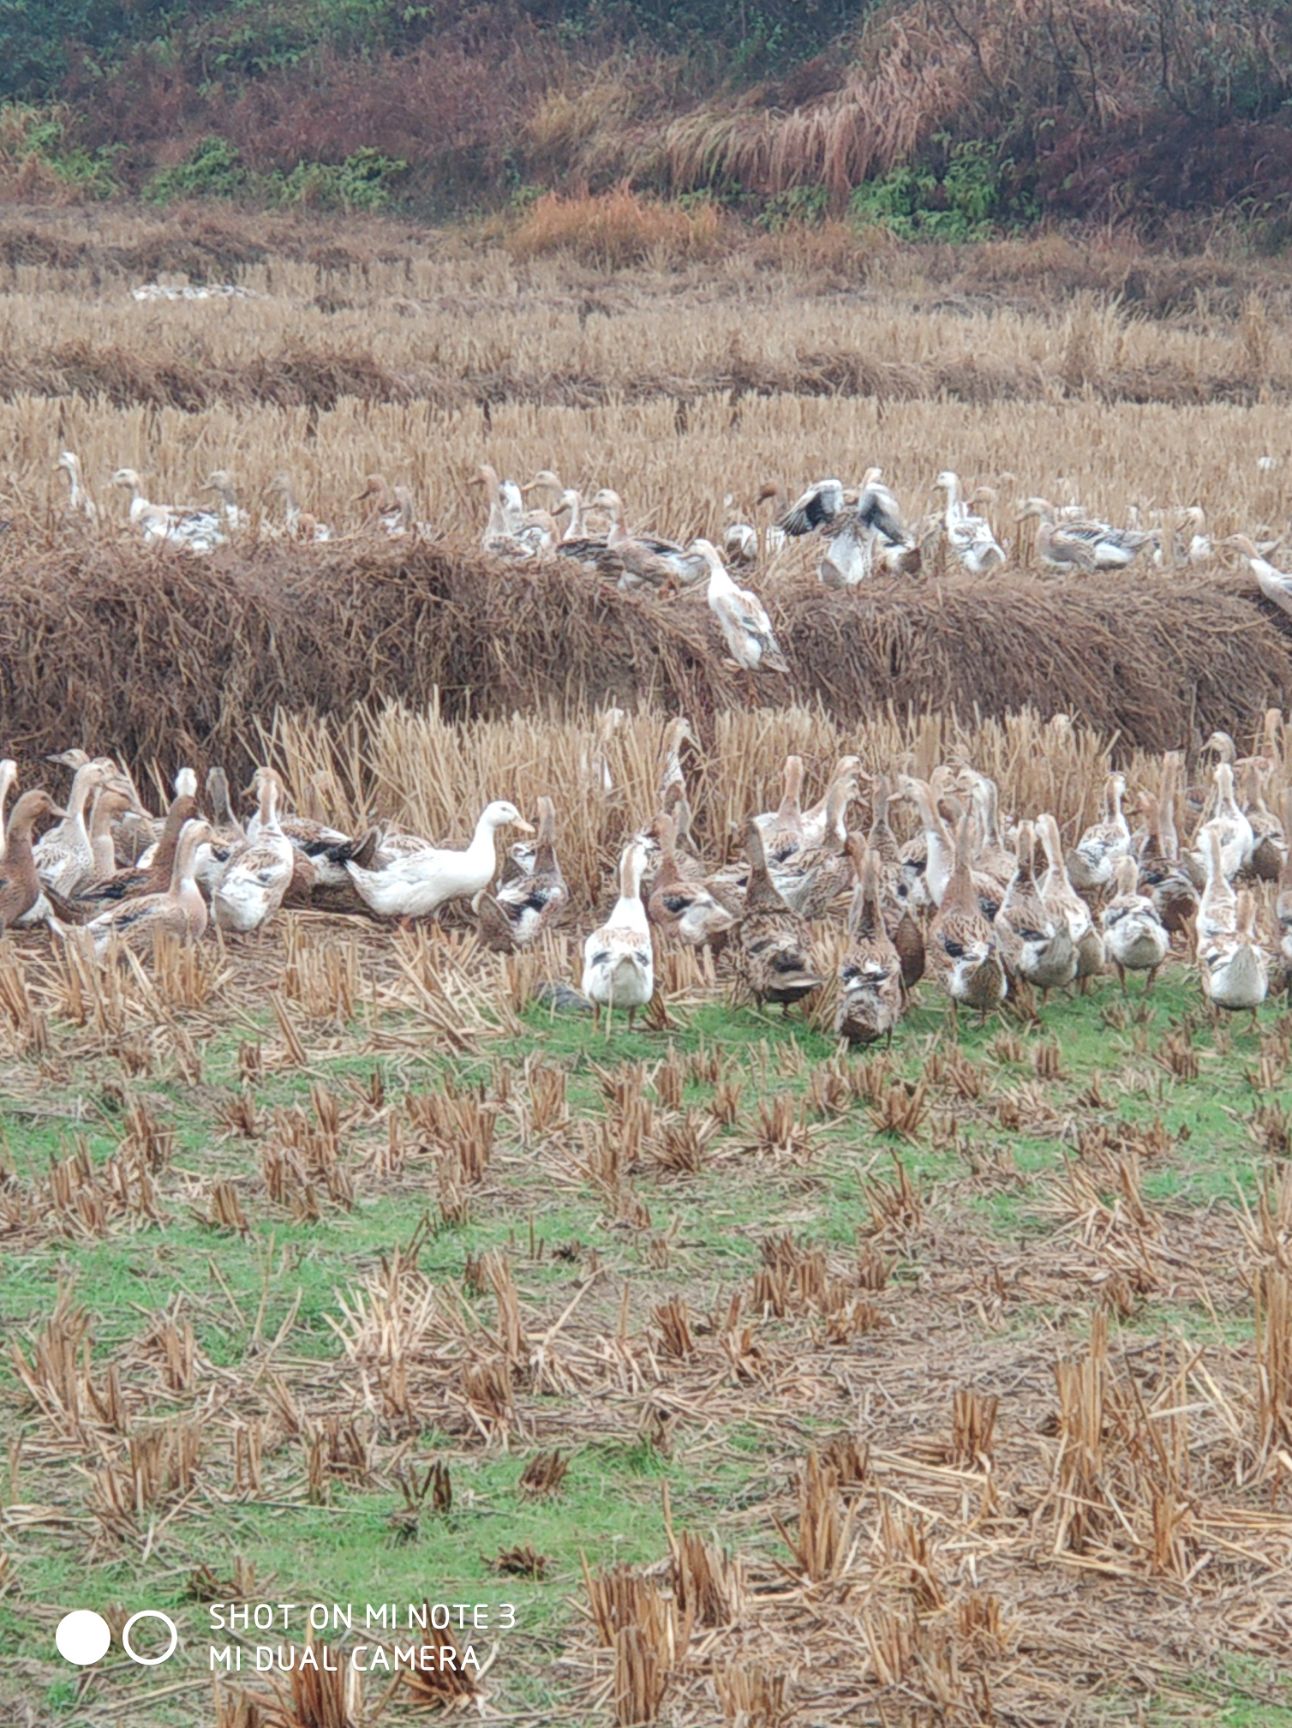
x=1283 y=895
x=900 y=918
x=647 y=560
x=327 y=850
x=774 y=536
x=1093 y=859
x=1230 y=824
x=872 y=991
x=1274 y=584
x=232 y=516
x=226 y=831
x=1198 y=548
x=1036 y=945
x=962 y=951
x=22 y=900
x=820 y=819
x=419 y=883
x=108 y=804
x=8 y=780
x=681 y=904
x=187 y=528
x=64 y=855
x=594 y=762
x=773 y=944
x=782 y=829
x=1269 y=841
x=152 y=876
x=1054 y=547
x=79 y=501
x=298 y=524
x=677 y=734
x=1162 y=876
x=865 y=536
x=1218 y=903
x=1110 y=548
x=938 y=856
x=969 y=538
x=812 y=877
x=1062 y=901
x=1135 y=937
x=1200 y=798
x=573 y=539
x=511 y=531
x=992 y=858
x=180 y=910
x=258 y=873
x=619 y=958
x=896 y=550
x=532 y=901
x=820 y=506
x=391 y=511
x=739 y=539
x=1234 y=966
x=741 y=617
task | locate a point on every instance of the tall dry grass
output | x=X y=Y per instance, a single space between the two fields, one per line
x=618 y=229
x=674 y=464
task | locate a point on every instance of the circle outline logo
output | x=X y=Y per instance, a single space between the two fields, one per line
x=150 y=1614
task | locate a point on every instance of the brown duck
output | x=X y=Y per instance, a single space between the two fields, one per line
x=773 y=946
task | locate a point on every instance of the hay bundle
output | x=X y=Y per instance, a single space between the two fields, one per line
x=105 y=643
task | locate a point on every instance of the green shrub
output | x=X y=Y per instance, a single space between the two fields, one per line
x=39 y=131
x=801 y=205
x=361 y=182
x=961 y=203
x=212 y=169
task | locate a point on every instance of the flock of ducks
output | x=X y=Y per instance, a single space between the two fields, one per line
x=861 y=531
x=952 y=891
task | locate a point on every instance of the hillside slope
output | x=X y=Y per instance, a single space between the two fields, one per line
x=942 y=120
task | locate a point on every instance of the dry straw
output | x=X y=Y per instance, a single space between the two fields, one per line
x=166 y=658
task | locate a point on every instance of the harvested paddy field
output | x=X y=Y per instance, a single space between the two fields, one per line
x=738 y=1373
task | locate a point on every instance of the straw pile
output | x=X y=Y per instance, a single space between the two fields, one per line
x=166 y=653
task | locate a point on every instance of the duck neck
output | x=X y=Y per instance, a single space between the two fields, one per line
x=82 y=782
x=217 y=790
x=545 y=844
x=268 y=823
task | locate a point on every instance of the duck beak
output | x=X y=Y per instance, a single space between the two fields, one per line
x=525 y=827
x=54 y=810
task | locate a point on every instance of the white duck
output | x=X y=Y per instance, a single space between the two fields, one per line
x=1230 y=824
x=8 y=779
x=618 y=959
x=169 y=524
x=419 y=883
x=1094 y=857
x=1062 y=901
x=65 y=856
x=742 y=618
x=970 y=538
x=250 y=888
x=1235 y=967
x=1274 y=584
x=1136 y=938
x=1217 y=904
x=78 y=499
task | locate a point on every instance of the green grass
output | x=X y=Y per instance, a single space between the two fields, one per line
x=240 y=1290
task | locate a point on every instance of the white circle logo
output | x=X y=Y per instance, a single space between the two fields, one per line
x=83 y=1637
x=167 y=1622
